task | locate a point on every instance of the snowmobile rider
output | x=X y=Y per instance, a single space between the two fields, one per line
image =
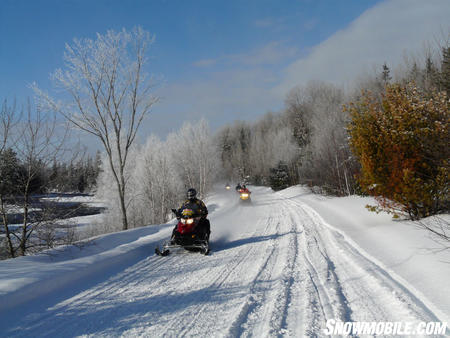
x=244 y=189
x=199 y=209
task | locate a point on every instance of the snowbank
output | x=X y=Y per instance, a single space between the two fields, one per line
x=25 y=278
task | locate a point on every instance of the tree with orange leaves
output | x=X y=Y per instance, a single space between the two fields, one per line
x=402 y=143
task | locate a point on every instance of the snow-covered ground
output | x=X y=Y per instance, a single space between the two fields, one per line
x=83 y=224
x=401 y=247
x=280 y=266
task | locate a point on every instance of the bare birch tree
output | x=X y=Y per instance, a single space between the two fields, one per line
x=109 y=94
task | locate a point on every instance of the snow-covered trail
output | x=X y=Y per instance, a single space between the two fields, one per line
x=276 y=268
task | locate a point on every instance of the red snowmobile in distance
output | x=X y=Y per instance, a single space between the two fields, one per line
x=244 y=194
x=188 y=235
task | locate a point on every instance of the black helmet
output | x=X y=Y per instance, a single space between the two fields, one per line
x=191 y=193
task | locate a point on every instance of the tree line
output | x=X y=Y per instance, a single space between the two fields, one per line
x=306 y=143
x=386 y=138
x=74 y=176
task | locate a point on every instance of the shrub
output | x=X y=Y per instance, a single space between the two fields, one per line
x=402 y=143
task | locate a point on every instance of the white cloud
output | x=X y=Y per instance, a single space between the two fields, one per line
x=272 y=53
x=234 y=87
x=236 y=94
x=310 y=24
x=383 y=33
x=205 y=63
x=264 y=23
x=250 y=84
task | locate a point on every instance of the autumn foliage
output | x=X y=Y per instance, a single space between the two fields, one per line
x=402 y=143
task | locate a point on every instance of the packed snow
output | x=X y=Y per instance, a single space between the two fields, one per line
x=281 y=265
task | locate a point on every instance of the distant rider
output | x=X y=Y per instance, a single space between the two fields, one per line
x=199 y=209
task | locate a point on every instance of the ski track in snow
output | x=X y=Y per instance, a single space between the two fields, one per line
x=282 y=273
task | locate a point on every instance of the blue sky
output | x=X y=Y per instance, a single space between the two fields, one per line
x=222 y=60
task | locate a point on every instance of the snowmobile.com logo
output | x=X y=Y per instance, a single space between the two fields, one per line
x=335 y=327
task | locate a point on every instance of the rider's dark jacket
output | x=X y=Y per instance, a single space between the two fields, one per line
x=196 y=205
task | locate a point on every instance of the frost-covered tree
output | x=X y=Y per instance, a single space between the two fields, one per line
x=109 y=94
x=195 y=155
x=298 y=114
x=315 y=116
x=159 y=173
x=107 y=191
x=8 y=118
x=250 y=151
x=233 y=144
x=268 y=148
x=159 y=186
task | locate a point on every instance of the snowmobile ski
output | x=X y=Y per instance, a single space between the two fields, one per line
x=201 y=245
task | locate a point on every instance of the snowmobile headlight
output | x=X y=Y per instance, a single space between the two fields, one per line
x=189 y=221
x=245 y=195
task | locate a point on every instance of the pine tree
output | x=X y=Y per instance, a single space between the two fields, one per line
x=431 y=75
x=9 y=185
x=279 y=176
x=445 y=70
x=385 y=75
x=9 y=173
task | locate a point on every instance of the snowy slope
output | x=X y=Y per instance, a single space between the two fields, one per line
x=281 y=266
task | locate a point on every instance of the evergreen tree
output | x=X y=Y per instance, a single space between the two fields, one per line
x=431 y=75
x=385 y=75
x=9 y=186
x=54 y=176
x=9 y=173
x=279 y=176
x=445 y=70
x=414 y=74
